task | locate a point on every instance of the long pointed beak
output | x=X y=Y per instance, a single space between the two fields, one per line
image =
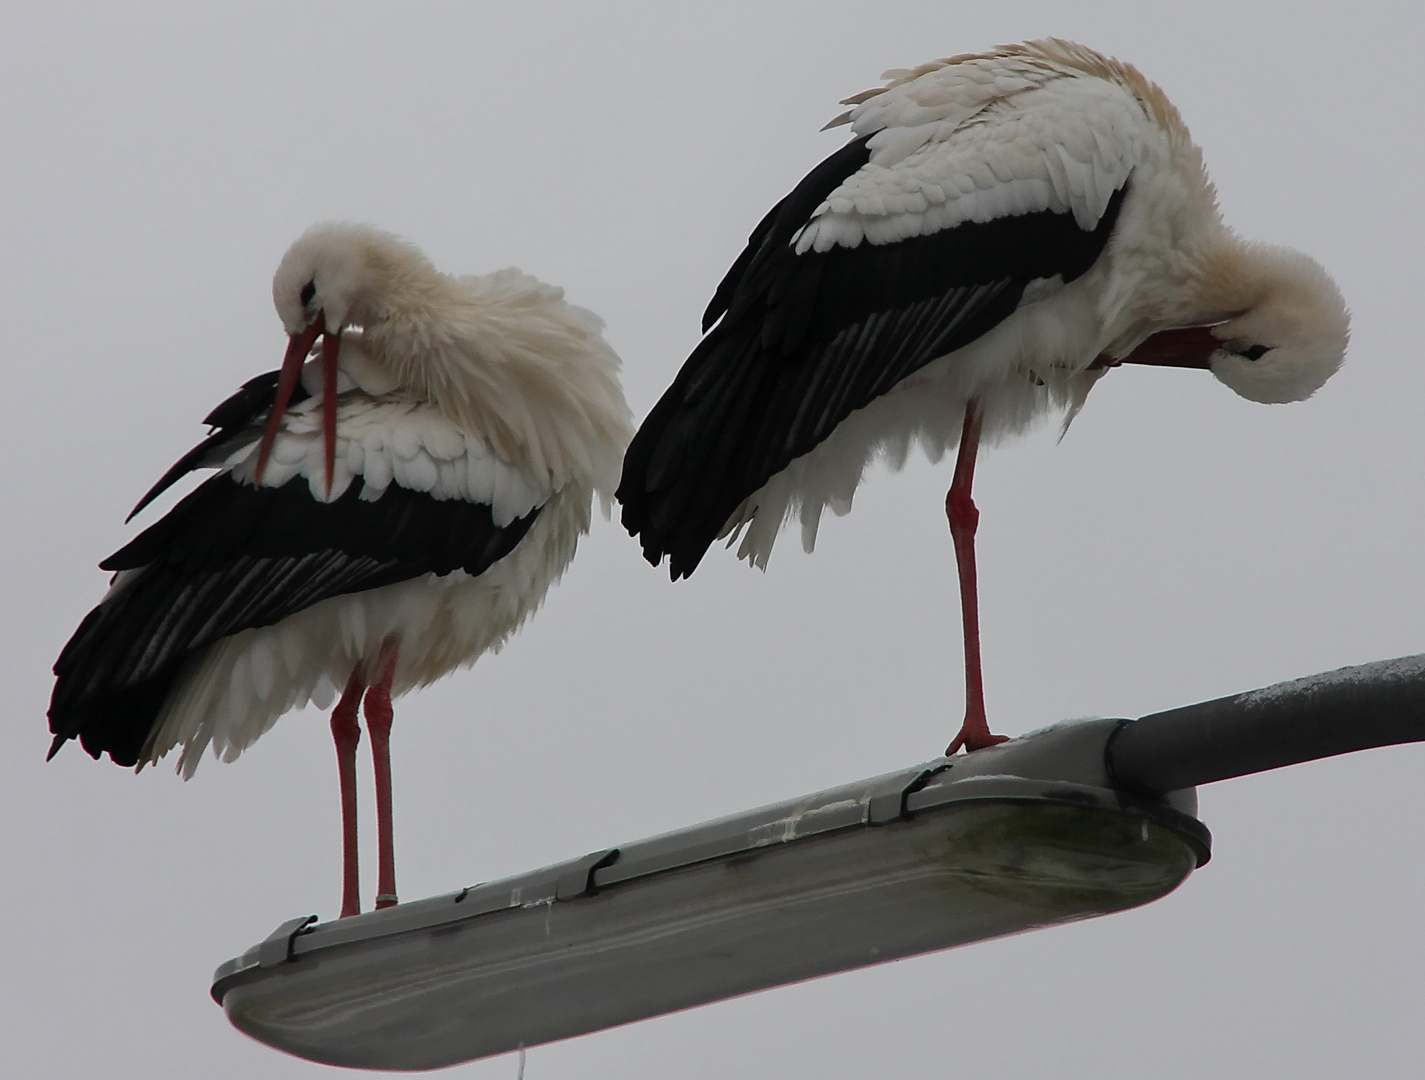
x=297 y=349
x=1190 y=347
x=331 y=348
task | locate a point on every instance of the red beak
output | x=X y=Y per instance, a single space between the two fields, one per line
x=297 y=349
x=331 y=346
x=1190 y=347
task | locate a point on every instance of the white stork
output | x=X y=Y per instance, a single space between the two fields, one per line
x=1001 y=229
x=415 y=493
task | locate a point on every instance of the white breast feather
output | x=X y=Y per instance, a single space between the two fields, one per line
x=525 y=368
x=971 y=142
x=388 y=442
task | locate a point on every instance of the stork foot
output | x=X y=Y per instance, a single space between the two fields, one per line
x=974 y=735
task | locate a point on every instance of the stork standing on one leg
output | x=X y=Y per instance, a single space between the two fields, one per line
x=1002 y=228
x=382 y=516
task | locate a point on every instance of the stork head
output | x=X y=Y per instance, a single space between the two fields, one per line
x=336 y=275
x=1291 y=335
x=341 y=271
x=1283 y=332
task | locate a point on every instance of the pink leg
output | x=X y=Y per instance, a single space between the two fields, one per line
x=378 y=722
x=346 y=733
x=964 y=518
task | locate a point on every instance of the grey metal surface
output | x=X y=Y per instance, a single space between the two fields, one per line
x=1336 y=712
x=1021 y=836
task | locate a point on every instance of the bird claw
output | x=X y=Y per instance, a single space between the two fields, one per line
x=974 y=737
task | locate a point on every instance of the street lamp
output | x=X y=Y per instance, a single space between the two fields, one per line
x=1074 y=821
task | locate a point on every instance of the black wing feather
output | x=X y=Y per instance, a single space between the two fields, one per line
x=806 y=340
x=231 y=420
x=231 y=557
x=779 y=225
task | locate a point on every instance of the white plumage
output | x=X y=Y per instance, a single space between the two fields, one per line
x=384 y=437
x=1002 y=229
x=403 y=519
x=946 y=148
x=1051 y=127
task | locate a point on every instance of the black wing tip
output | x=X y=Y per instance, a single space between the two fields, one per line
x=180 y=468
x=116 y=720
x=153 y=493
x=678 y=569
x=248 y=402
x=654 y=543
x=656 y=547
x=681 y=563
x=227 y=419
x=714 y=312
x=659 y=543
x=120 y=755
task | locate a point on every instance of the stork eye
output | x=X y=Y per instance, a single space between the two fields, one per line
x=1256 y=352
x=309 y=290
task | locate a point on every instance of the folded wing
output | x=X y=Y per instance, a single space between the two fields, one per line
x=910 y=242
x=417 y=498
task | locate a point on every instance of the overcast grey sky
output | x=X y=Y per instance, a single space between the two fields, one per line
x=1179 y=544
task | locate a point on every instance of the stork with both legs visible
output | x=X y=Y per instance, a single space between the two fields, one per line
x=382 y=515
x=1001 y=229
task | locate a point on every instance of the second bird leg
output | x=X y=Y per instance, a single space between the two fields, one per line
x=346 y=734
x=964 y=517
x=378 y=723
